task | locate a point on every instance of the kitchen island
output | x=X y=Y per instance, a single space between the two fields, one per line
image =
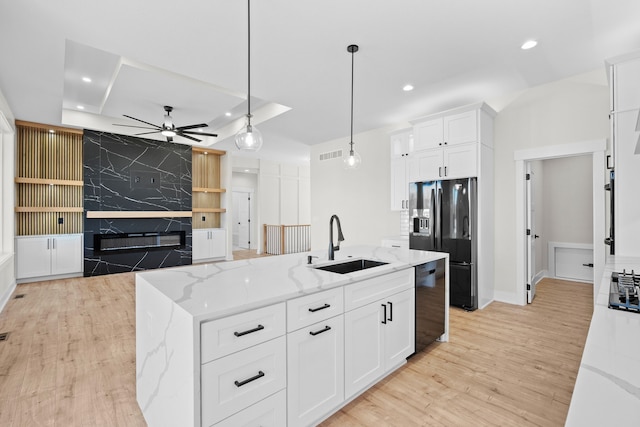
x=273 y=340
x=607 y=390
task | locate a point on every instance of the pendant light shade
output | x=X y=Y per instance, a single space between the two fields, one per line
x=249 y=138
x=352 y=160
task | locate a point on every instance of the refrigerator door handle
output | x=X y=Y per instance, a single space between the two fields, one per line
x=440 y=218
x=434 y=219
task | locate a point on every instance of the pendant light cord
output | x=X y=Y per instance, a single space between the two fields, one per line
x=249 y=62
x=352 y=62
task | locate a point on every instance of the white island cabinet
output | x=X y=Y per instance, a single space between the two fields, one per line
x=270 y=341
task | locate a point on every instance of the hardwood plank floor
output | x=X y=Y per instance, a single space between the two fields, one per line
x=69 y=360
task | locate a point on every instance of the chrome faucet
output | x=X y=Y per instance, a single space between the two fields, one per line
x=332 y=248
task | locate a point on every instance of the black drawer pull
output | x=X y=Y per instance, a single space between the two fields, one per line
x=390 y=311
x=313 y=310
x=248 y=380
x=384 y=315
x=326 y=328
x=256 y=329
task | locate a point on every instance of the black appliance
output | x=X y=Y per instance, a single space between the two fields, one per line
x=430 y=303
x=443 y=218
x=624 y=291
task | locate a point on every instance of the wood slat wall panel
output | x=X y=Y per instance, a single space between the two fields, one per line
x=43 y=155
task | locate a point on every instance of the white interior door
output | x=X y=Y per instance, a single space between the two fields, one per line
x=531 y=236
x=242 y=219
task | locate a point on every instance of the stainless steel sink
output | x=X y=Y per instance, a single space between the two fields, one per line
x=351 y=266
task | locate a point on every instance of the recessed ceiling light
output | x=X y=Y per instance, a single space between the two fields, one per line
x=228 y=114
x=407 y=88
x=529 y=44
x=80 y=107
x=86 y=79
x=247 y=170
x=52 y=131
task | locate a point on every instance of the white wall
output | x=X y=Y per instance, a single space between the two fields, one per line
x=7 y=197
x=360 y=198
x=566 y=111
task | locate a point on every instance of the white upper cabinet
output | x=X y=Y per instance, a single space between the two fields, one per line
x=625 y=90
x=464 y=125
x=428 y=134
x=401 y=145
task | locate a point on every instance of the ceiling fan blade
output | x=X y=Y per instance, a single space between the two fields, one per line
x=133 y=126
x=147 y=123
x=201 y=125
x=200 y=133
x=189 y=137
x=146 y=133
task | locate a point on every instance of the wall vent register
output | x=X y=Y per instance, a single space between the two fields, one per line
x=109 y=243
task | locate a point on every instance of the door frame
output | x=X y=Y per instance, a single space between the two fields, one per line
x=252 y=231
x=596 y=148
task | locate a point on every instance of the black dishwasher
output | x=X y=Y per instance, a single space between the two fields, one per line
x=430 y=302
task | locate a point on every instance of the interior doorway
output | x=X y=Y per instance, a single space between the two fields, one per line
x=241 y=230
x=525 y=242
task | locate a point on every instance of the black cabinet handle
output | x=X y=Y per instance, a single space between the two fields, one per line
x=384 y=317
x=313 y=310
x=326 y=328
x=445 y=169
x=588 y=265
x=432 y=271
x=256 y=329
x=390 y=311
x=248 y=380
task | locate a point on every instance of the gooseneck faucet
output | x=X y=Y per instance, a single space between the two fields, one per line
x=332 y=248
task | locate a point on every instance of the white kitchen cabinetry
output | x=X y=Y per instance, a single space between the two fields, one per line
x=379 y=328
x=445 y=130
x=315 y=356
x=50 y=255
x=458 y=161
x=209 y=243
x=624 y=78
x=401 y=165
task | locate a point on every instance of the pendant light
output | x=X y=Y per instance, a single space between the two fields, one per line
x=249 y=138
x=352 y=161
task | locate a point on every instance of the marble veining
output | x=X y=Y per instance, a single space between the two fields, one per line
x=607 y=390
x=123 y=173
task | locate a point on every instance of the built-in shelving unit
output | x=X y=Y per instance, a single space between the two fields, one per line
x=49 y=180
x=206 y=188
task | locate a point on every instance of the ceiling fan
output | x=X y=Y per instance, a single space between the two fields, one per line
x=168 y=129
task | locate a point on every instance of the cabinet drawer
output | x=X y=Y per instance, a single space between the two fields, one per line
x=307 y=310
x=234 y=333
x=270 y=412
x=371 y=290
x=239 y=380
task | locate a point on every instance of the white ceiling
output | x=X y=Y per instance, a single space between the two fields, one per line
x=192 y=55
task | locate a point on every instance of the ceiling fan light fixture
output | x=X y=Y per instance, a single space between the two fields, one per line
x=168 y=132
x=249 y=138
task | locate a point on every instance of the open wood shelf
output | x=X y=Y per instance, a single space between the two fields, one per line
x=44 y=181
x=49 y=209
x=208 y=190
x=212 y=210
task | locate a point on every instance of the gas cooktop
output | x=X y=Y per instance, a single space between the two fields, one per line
x=624 y=291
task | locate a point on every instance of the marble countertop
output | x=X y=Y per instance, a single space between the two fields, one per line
x=208 y=291
x=607 y=390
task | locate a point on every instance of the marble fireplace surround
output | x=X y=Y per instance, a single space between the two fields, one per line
x=135 y=185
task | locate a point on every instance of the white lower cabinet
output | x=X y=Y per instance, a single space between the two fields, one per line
x=269 y=412
x=379 y=336
x=315 y=371
x=208 y=243
x=237 y=381
x=50 y=255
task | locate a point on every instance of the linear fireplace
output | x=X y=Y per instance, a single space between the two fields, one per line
x=131 y=242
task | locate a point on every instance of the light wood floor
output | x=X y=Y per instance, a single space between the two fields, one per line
x=69 y=360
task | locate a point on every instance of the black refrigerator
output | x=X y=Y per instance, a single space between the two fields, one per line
x=442 y=217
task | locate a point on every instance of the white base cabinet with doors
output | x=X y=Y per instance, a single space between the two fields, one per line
x=48 y=256
x=208 y=244
x=294 y=362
